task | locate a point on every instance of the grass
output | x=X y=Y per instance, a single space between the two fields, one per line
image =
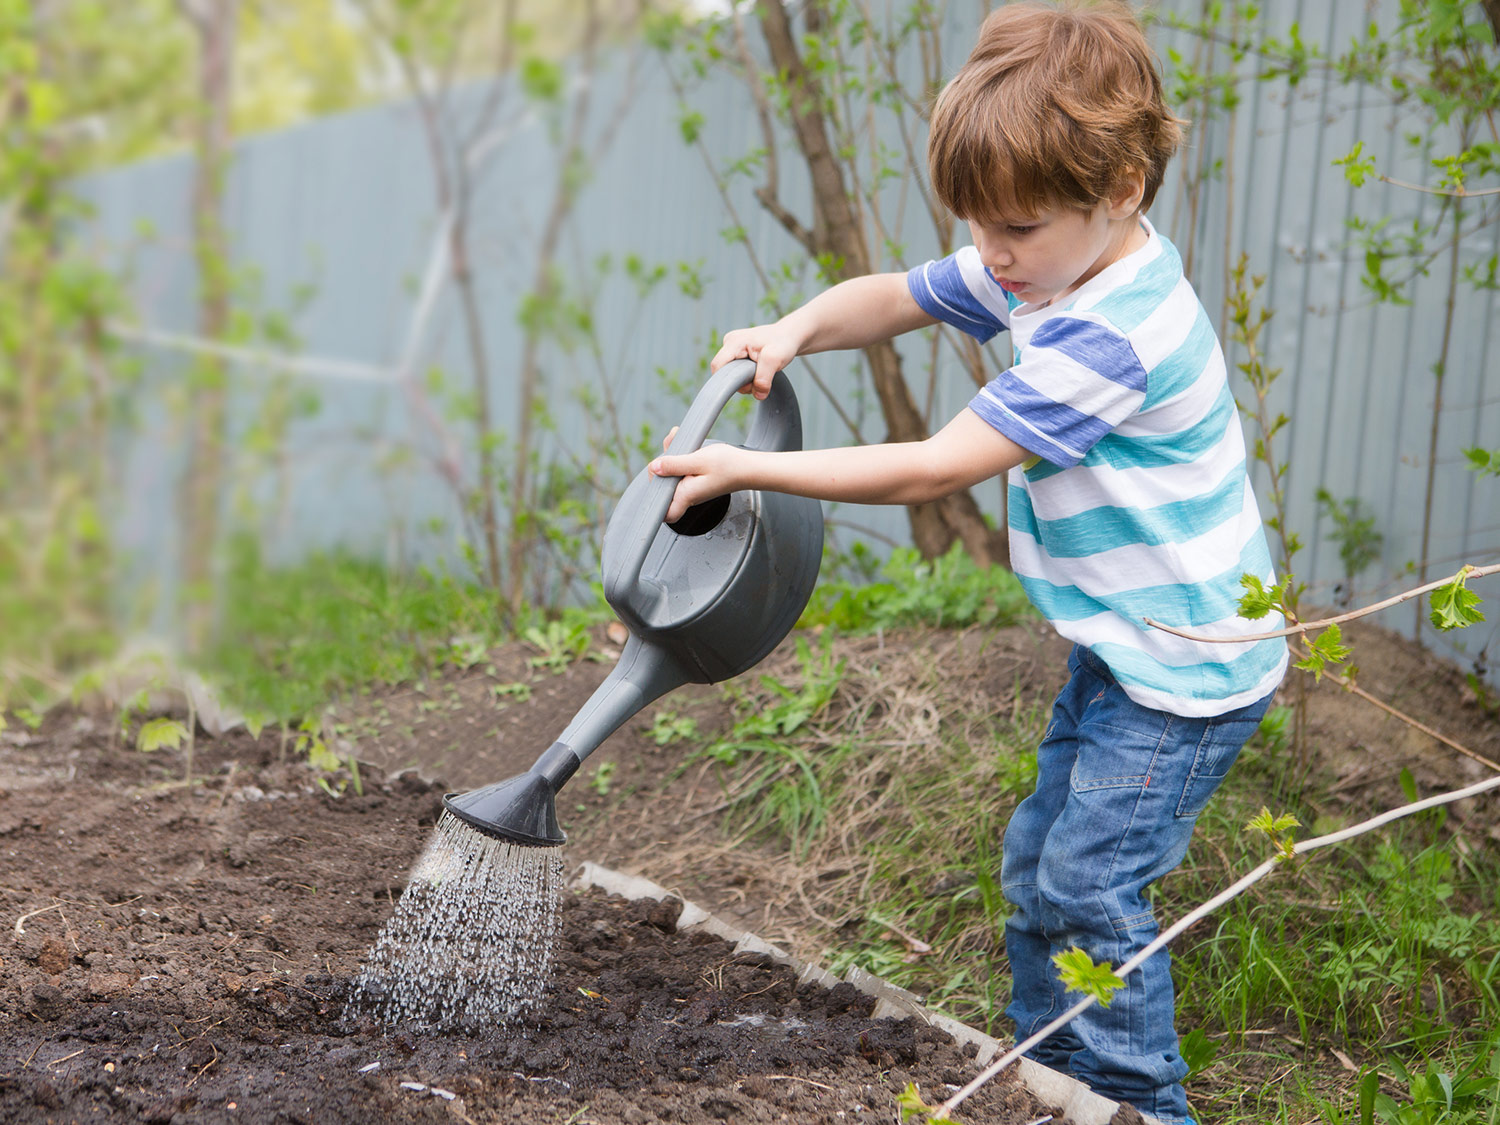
x=1360 y=986
x=292 y=639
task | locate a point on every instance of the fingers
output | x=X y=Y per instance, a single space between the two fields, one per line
x=666 y=442
x=682 y=497
x=766 y=345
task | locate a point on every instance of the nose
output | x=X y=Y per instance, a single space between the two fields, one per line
x=993 y=252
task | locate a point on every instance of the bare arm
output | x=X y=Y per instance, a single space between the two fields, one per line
x=853 y=314
x=964 y=452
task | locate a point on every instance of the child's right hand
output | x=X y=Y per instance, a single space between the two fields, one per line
x=771 y=346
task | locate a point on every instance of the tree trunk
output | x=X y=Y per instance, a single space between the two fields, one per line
x=837 y=234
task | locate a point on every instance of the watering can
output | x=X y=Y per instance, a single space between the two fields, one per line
x=703 y=599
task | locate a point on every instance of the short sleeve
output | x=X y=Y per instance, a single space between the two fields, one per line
x=1076 y=379
x=958 y=290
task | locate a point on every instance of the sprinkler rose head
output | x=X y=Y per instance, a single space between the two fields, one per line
x=521 y=809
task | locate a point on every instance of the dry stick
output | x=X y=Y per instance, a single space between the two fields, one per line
x=57 y=906
x=1234 y=891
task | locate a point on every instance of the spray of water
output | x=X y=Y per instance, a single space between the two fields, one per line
x=470 y=943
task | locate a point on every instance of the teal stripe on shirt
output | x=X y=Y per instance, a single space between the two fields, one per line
x=1129 y=306
x=1187 y=363
x=1182 y=605
x=1107 y=527
x=1213 y=679
x=1152 y=451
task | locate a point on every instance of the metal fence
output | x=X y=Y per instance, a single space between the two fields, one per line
x=338 y=220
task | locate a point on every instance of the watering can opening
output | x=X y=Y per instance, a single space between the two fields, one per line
x=702 y=518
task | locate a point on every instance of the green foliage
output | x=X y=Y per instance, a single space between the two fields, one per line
x=560 y=643
x=158 y=733
x=950 y=591
x=294 y=638
x=1079 y=973
x=1454 y=605
x=1259 y=599
x=1278 y=829
x=912 y=1108
x=1471 y=1096
x=1325 y=653
x=1355 y=533
x=668 y=727
x=1485 y=462
x=1198 y=1051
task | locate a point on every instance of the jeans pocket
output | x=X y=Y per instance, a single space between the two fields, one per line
x=1215 y=754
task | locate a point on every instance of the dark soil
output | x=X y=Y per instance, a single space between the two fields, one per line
x=182 y=954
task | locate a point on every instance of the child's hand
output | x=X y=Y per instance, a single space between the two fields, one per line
x=705 y=474
x=771 y=346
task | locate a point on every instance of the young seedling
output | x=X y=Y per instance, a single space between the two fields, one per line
x=913 y=1108
x=158 y=733
x=1278 y=829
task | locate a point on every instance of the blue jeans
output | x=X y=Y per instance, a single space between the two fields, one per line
x=1119 y=788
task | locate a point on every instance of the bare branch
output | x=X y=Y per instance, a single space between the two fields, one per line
x=1301 y=627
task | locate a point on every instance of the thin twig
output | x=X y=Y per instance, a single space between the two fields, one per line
x=1234 y=891
x=33 y=913
x=1464 y=572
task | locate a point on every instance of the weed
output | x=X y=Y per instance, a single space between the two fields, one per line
x=668 y=727
x=602 y=779
x=158 y=733
x=560 y=643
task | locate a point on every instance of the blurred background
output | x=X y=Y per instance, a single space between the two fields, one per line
x=379 y=304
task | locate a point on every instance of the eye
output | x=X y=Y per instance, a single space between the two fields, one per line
x=1021 y=230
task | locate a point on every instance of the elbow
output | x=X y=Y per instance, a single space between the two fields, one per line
x=937 y=477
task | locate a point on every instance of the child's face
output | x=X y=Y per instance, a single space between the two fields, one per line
x=1045 y=258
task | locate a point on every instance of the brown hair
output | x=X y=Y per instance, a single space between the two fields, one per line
x=1054 y=107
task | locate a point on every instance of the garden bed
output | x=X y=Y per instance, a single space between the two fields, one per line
x=177 y=953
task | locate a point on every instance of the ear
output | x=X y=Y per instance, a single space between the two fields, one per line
x=1126 y=201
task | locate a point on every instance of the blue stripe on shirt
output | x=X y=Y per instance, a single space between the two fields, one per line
x=1152 y=451
x=1185 y=365
x=941 y=291
x=1053 y=430
x=1095 y=347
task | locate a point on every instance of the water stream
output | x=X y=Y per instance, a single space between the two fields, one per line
x=470 y=944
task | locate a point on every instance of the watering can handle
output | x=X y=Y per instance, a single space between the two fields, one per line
x=777 y=425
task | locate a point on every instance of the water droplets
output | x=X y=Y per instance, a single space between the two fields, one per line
x=470 y=943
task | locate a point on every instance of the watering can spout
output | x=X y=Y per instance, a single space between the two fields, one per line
x=523 y=809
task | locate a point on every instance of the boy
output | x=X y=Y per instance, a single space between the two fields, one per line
x=1128 y=495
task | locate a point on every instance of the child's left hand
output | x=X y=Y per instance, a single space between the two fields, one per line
x=710 y=471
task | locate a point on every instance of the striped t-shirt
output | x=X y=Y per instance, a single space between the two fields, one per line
x=1138 y=503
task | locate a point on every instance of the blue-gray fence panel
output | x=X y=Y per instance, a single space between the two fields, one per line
x=339 y=219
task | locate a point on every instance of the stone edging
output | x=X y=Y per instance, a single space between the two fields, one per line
x=1079 y=1104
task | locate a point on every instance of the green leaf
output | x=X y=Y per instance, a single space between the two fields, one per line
x=913 y=1108
x=1257 y=600
x=157 y=733
x=542 y=79
x=1079 y=973
x=1328 y=649
x=1454 y=605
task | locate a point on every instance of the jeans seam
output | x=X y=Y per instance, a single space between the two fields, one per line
x=1135 y=808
